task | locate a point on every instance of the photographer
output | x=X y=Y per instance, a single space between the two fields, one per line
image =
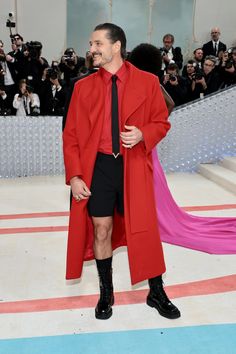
x=52 y=92
x=170 y=55
x=5 y=103
x=16 y=57
x=26 y=102
x=7 y=76
x=228 y=67
x=70 y=64
x=175 y=85
x=33 y=63
x=191 y=72
x=208 y=81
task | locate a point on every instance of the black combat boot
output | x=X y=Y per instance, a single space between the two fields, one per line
x=103 y=310
x=157 y=298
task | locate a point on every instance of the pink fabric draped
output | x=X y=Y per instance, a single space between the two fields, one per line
x=216 y=235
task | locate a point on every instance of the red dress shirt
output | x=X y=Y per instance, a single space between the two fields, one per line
x=105 y=145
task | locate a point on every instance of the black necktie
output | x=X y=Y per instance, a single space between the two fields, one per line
x=115 y=118
x=215 y=49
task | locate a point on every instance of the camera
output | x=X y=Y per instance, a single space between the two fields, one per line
x=229 y=63
x=29 y=89
x=164 y=51
x=10 y=23
x=52 y=73
x=69 y=56
x=34 y=48
x=198 y=75
x=172 y=77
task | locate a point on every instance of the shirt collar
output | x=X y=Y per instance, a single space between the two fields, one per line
x=121 y=73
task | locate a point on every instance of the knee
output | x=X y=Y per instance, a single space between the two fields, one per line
x=102 y=233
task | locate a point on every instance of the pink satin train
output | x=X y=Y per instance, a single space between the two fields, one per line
x=216 y=235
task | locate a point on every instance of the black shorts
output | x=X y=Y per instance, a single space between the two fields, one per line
x=107 y=186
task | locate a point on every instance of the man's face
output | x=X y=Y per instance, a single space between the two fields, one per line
x=198 y=55
x=208 y=66
x=190 y=69
x=102 y=49
x=172 y=72
x=17 y=41
x=167 y=42
x=215 y=34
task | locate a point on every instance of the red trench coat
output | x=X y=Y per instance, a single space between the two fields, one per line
x=144 y=107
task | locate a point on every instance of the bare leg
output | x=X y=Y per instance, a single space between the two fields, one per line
x=102 y=236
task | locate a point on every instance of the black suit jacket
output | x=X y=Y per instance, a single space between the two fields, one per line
x=208 y=48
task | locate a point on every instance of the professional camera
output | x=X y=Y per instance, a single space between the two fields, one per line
x=10 y=23
x=229 y=63
x=198 y=75
x=52 y=74
x=34 y=48
x=69 y=56
x=164 y=51
x=172 y=77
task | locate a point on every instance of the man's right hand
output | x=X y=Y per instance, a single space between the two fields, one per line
x=79 y=189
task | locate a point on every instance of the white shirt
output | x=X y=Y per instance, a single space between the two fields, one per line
x=22 y=105
x=170 y=56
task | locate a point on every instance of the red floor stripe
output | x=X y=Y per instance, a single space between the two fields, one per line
x=202 y=287
x=34 y=215
x=14 y=230
x=209 y=207
x=24 y=230
x=66 y=213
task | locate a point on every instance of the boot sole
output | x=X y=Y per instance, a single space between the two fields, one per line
x=107 y=315
x=103 y=316
x=171 y=317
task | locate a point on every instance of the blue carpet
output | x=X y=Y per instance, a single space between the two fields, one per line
x=215 y=339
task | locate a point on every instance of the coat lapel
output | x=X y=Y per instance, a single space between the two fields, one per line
x=95 y=100
x=134 y=95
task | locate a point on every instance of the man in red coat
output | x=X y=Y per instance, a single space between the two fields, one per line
x=116 y=117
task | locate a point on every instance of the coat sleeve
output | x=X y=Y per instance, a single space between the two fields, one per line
x=71 y=149
x=158 y=125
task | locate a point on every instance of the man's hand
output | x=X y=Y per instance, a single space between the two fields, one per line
x=79 y=189
x=202 y=82
x=132 y=137
x=55 y=82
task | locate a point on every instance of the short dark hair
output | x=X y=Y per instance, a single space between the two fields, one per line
x=197 y=49
x=173 y=66
x=115 y=33
x=18 y=35
x=146 y=57
x=212 y=58
x=169 y=35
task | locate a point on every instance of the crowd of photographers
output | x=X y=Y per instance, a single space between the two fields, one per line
x=30 y=86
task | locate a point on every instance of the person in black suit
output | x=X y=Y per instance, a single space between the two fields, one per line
x=70 y=64
x=7 y=77
x=170 y=55
x=209 y=81
x=197 y=59
x=215 y=46
x=86 y=70
x=52 y=92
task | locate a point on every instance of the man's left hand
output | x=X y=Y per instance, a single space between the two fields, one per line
x=131 y=137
